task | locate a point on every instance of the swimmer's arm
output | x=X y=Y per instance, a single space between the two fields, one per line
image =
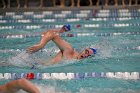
x=46 y=37
x=22 y=84
x=54 y=60
x=57 y=58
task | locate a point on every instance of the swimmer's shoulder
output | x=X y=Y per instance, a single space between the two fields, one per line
x=53 y=31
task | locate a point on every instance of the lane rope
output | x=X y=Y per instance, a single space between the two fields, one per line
x=71 y=76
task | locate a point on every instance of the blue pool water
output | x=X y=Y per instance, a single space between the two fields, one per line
x=115 y=35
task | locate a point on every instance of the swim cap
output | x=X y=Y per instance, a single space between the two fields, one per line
x=94 y=50
x=67 y=27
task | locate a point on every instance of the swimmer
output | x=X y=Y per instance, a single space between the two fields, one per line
x=64 y=28
x=15 y=85
x=66 y=50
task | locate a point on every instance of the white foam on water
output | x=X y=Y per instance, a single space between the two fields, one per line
x=31 y=61
x=21 y=60
x=107 y=90
x=104 y=50
x=54 y=89
x=47 y=89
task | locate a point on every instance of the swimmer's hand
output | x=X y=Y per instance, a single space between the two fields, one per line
x=33 y=49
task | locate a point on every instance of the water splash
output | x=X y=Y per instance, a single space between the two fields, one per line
x=107 y=90
x=104 y=49
x=54 y=89
x=21 y=60
x=47 y=89
x=34 y=61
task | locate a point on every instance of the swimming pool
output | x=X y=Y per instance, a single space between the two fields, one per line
x=114 y=32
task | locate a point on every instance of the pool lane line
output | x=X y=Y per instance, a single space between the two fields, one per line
x=71 y=76
x=82 y=34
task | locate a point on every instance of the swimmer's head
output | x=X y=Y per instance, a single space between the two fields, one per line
x=94 y=50
x=87 y=52
x=66 y=27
